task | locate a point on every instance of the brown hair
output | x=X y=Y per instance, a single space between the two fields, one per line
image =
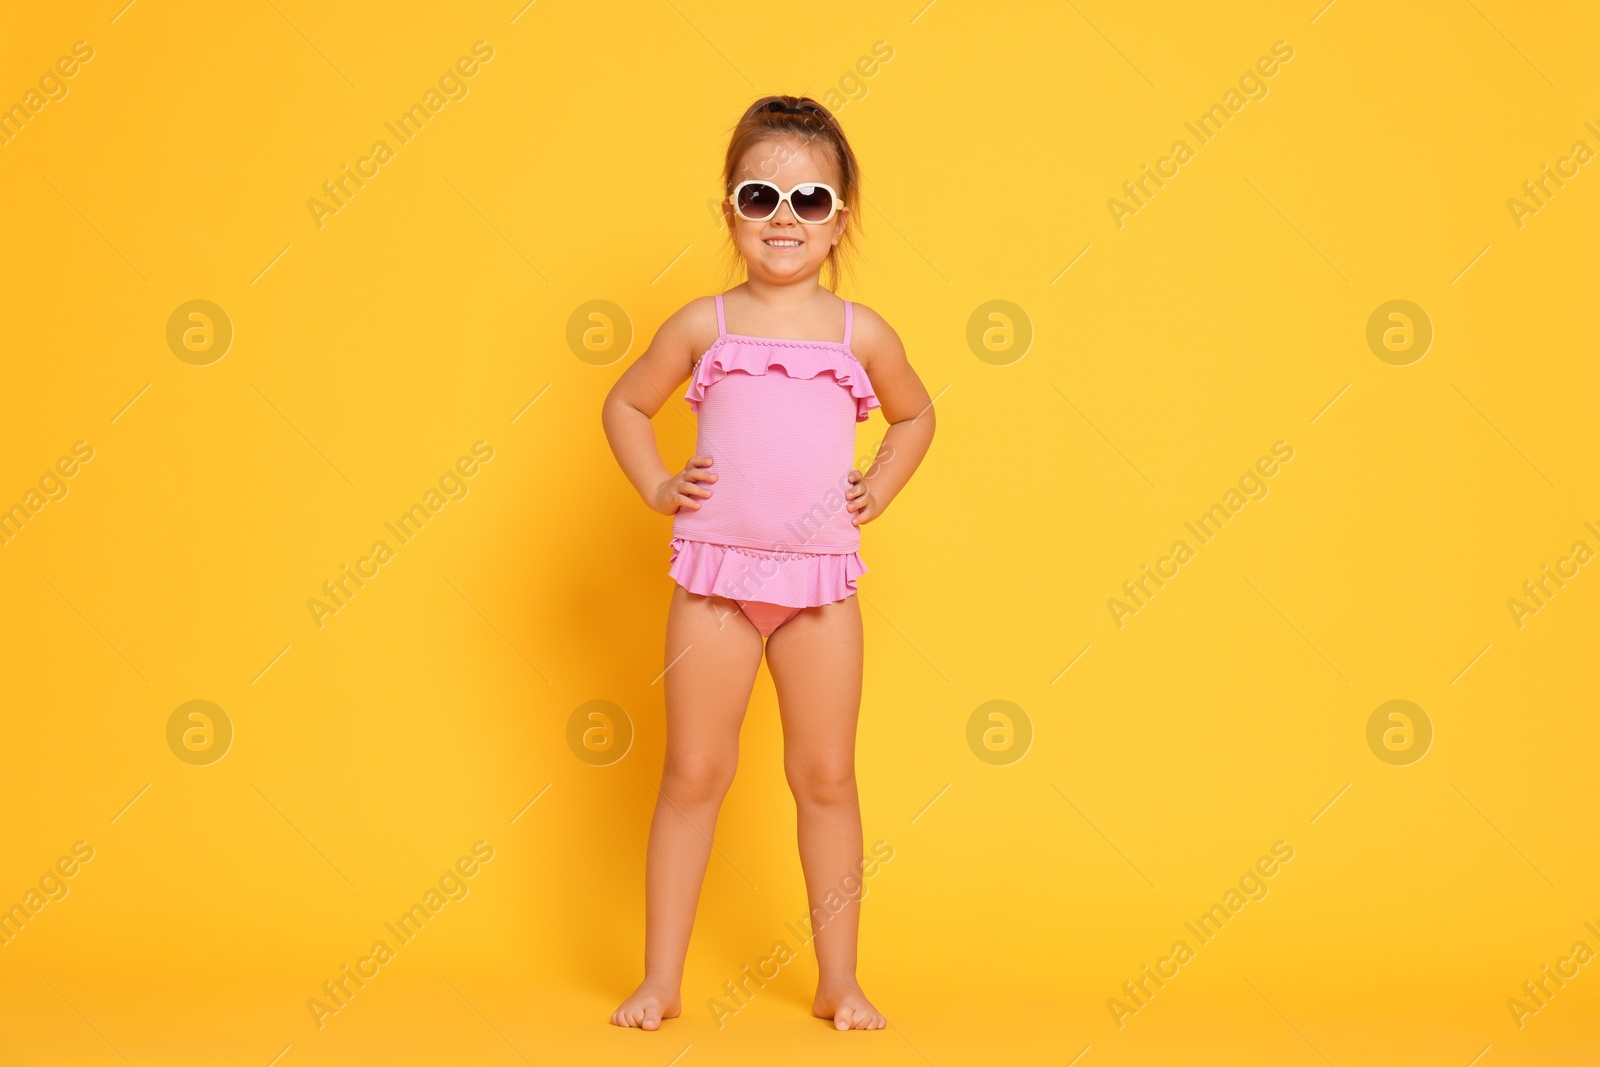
x=778 y=117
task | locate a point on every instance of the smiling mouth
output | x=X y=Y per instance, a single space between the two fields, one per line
x=781 y=242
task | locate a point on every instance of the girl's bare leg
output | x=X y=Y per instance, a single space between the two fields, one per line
x=815 y=660
x=707 y=691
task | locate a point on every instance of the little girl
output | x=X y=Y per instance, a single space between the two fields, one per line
x=766 y=526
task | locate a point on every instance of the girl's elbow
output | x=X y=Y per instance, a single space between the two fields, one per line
x=619 y=406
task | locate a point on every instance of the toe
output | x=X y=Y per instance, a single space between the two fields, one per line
x=841 y=1019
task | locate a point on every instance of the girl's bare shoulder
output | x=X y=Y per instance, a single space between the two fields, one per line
x=689 y=331
x=698 y=321
x=873 y=340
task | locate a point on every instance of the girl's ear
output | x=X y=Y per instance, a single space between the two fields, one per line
x=839 y=226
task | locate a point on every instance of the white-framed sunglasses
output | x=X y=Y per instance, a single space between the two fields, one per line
x=755 y=200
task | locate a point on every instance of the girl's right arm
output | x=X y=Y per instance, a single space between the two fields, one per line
x=635 y=399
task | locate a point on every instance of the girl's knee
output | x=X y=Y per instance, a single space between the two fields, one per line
x=822 y=782
x=698 y=779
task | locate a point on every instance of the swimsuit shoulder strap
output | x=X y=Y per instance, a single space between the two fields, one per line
x=849 y=320
x=722 y=322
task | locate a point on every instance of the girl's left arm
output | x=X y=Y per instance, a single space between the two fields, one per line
x=904 y=402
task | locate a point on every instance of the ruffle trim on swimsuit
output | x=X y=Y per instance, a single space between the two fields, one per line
x=797 y=359
x=792 y=579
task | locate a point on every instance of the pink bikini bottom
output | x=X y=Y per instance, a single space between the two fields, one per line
x=745 y=574
x=767 y=617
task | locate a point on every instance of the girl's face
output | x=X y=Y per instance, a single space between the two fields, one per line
x=782 y=248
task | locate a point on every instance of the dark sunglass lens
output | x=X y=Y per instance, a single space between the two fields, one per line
x=812 y=203
x=758 y=201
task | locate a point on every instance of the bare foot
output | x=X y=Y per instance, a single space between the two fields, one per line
x=847 y=1006
x=647 y=1007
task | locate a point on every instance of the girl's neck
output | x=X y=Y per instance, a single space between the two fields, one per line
x=786 y=295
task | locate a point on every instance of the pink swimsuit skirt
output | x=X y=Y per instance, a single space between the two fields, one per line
x=778 y=418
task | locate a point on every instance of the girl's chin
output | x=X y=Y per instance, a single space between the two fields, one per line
x=784 y=275
x=784 y=263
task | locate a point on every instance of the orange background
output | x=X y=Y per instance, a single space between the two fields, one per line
x=1163 y=357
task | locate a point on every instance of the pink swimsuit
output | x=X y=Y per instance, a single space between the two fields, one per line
x=778 y=417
